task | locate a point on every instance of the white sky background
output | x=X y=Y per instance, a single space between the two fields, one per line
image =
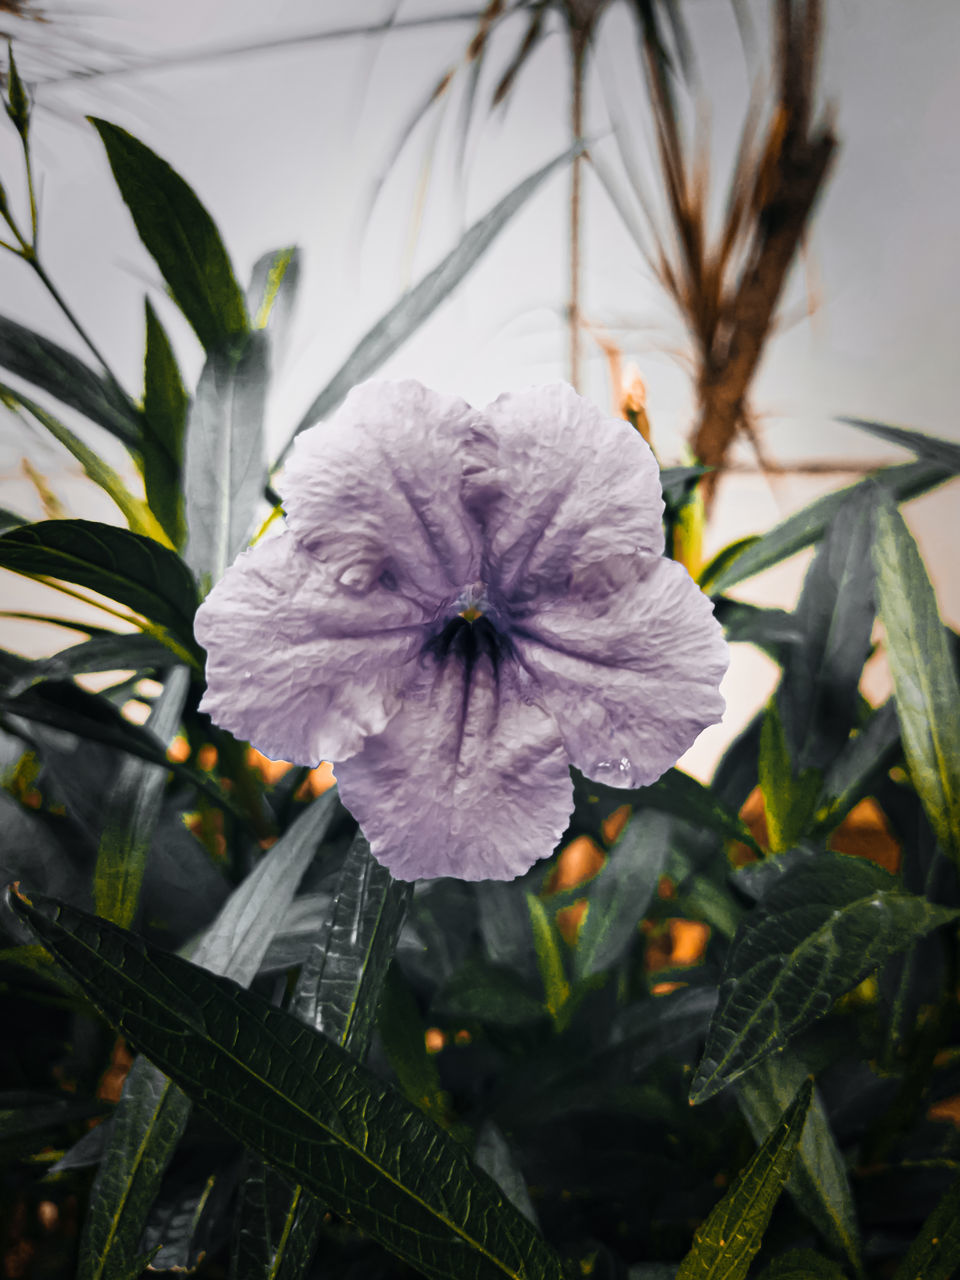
x=283 y=146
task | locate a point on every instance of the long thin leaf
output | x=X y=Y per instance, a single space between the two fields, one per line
x=818 y=1181
x=50 y=368
x=728 y=1241
x=165 y=403
x=181 y=237
x=419 y=302
x=808 y=526
x=138 y=515
x=935 y=1254
x=821 y=929
x=925 y=684
x=304 y=1103
x=152 y=1113
x=224 y=465
x=132 y=810
x=945 y=453
x=124 y=566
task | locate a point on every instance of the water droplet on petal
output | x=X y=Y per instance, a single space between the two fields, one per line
x=603 y=766
x=625 y=766
x=356 y=577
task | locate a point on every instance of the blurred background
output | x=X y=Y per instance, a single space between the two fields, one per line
x=372 y=134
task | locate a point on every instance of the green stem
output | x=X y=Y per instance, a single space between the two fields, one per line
x=31 y=257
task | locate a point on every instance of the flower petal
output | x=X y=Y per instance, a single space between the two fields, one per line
x=378 y=487
x=467 y=780
x=298 y=664
x=629 y=662
x=558 y=486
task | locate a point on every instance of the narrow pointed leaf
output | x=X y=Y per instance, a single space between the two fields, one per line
x=152 y=1113
x=945 y=453
x=935 y=1254
x=925 y=682
x=419 y=302
x=124 y=566
x=726 y=1244
x=224 y=464
x=808 y=526
x=803 y=1264
x=132 y=809
x=109 y=651
x=818 y=1181
x=868 y=754
x=492 y=1153
x=817 y=933
x=617 y=898
x=817 y=697
x=788 y=799
x=772 y=630
x=165 y=403
x=300 y=1100
x=138 y=515
x=722 y=561
x=51 y=368
x=337 y=992
x=180 y=235
x=272 y=293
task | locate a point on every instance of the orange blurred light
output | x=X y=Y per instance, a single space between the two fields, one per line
x=612 y=826
x=579 y=860
x=434 y=1039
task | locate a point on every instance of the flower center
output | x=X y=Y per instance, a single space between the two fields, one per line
x=472 y=633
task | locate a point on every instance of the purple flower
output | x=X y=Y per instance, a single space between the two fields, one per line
x=462 y=604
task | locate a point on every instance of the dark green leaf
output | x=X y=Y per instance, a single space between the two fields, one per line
x=818 y=1181
x=772 y=630
x=165 y=404
x=224 y=465
x=110 y=651
x=124 y=566
x=808 y=525
x=492 y=1153
x=817 y=697
x=678 y=483
x=802 y=1264
x=619 y=896
x=10 y=520
x=403 y=1036
x=132 y=809
x=676 y=793
x=865 y=758
x=788 y=799
x=419 y=302
x=728 y=1241
x=48 y=366
x=304 y=1103
x=488 y=993
x=945 y=453
x=935 y=1254
x=181 y=237
x=816 y=933
x=152 y=1114
x=722 y=560
x=925 y=683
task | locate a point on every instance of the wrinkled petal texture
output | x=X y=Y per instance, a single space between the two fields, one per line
x=629 y=662
x=558 y=486
x=468 y=779
x=376 y=491
x=298 y=664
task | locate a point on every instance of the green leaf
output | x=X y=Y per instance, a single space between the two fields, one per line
x=935 y=1254
x=728 y=1241
x=802 y=1264
x=152 y=1114
x=492 y=1154
x=788 y=799
x=48 y=366
x=124 y=566
x=224 y=467
x=676 y=793
x=303 y=1102
x=678 y=483
x=945 y=453
x=403 y=1035
x=10 y=520
x=272 y=292
x=165 y=404
x=924 y=677
x=818 y=932
x=818 y=694
x=618 y=897
x=546 y=942
x=17 y=104
x=772 y=630
x=490 y=993
x=337 y=992
x=110 y=651
x=818 y=1181
x=419 y=302
x=136 y=512
x=808 y=526
x=868 y=755
x=722 y=560
x=132 y=809
x=181 y=237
